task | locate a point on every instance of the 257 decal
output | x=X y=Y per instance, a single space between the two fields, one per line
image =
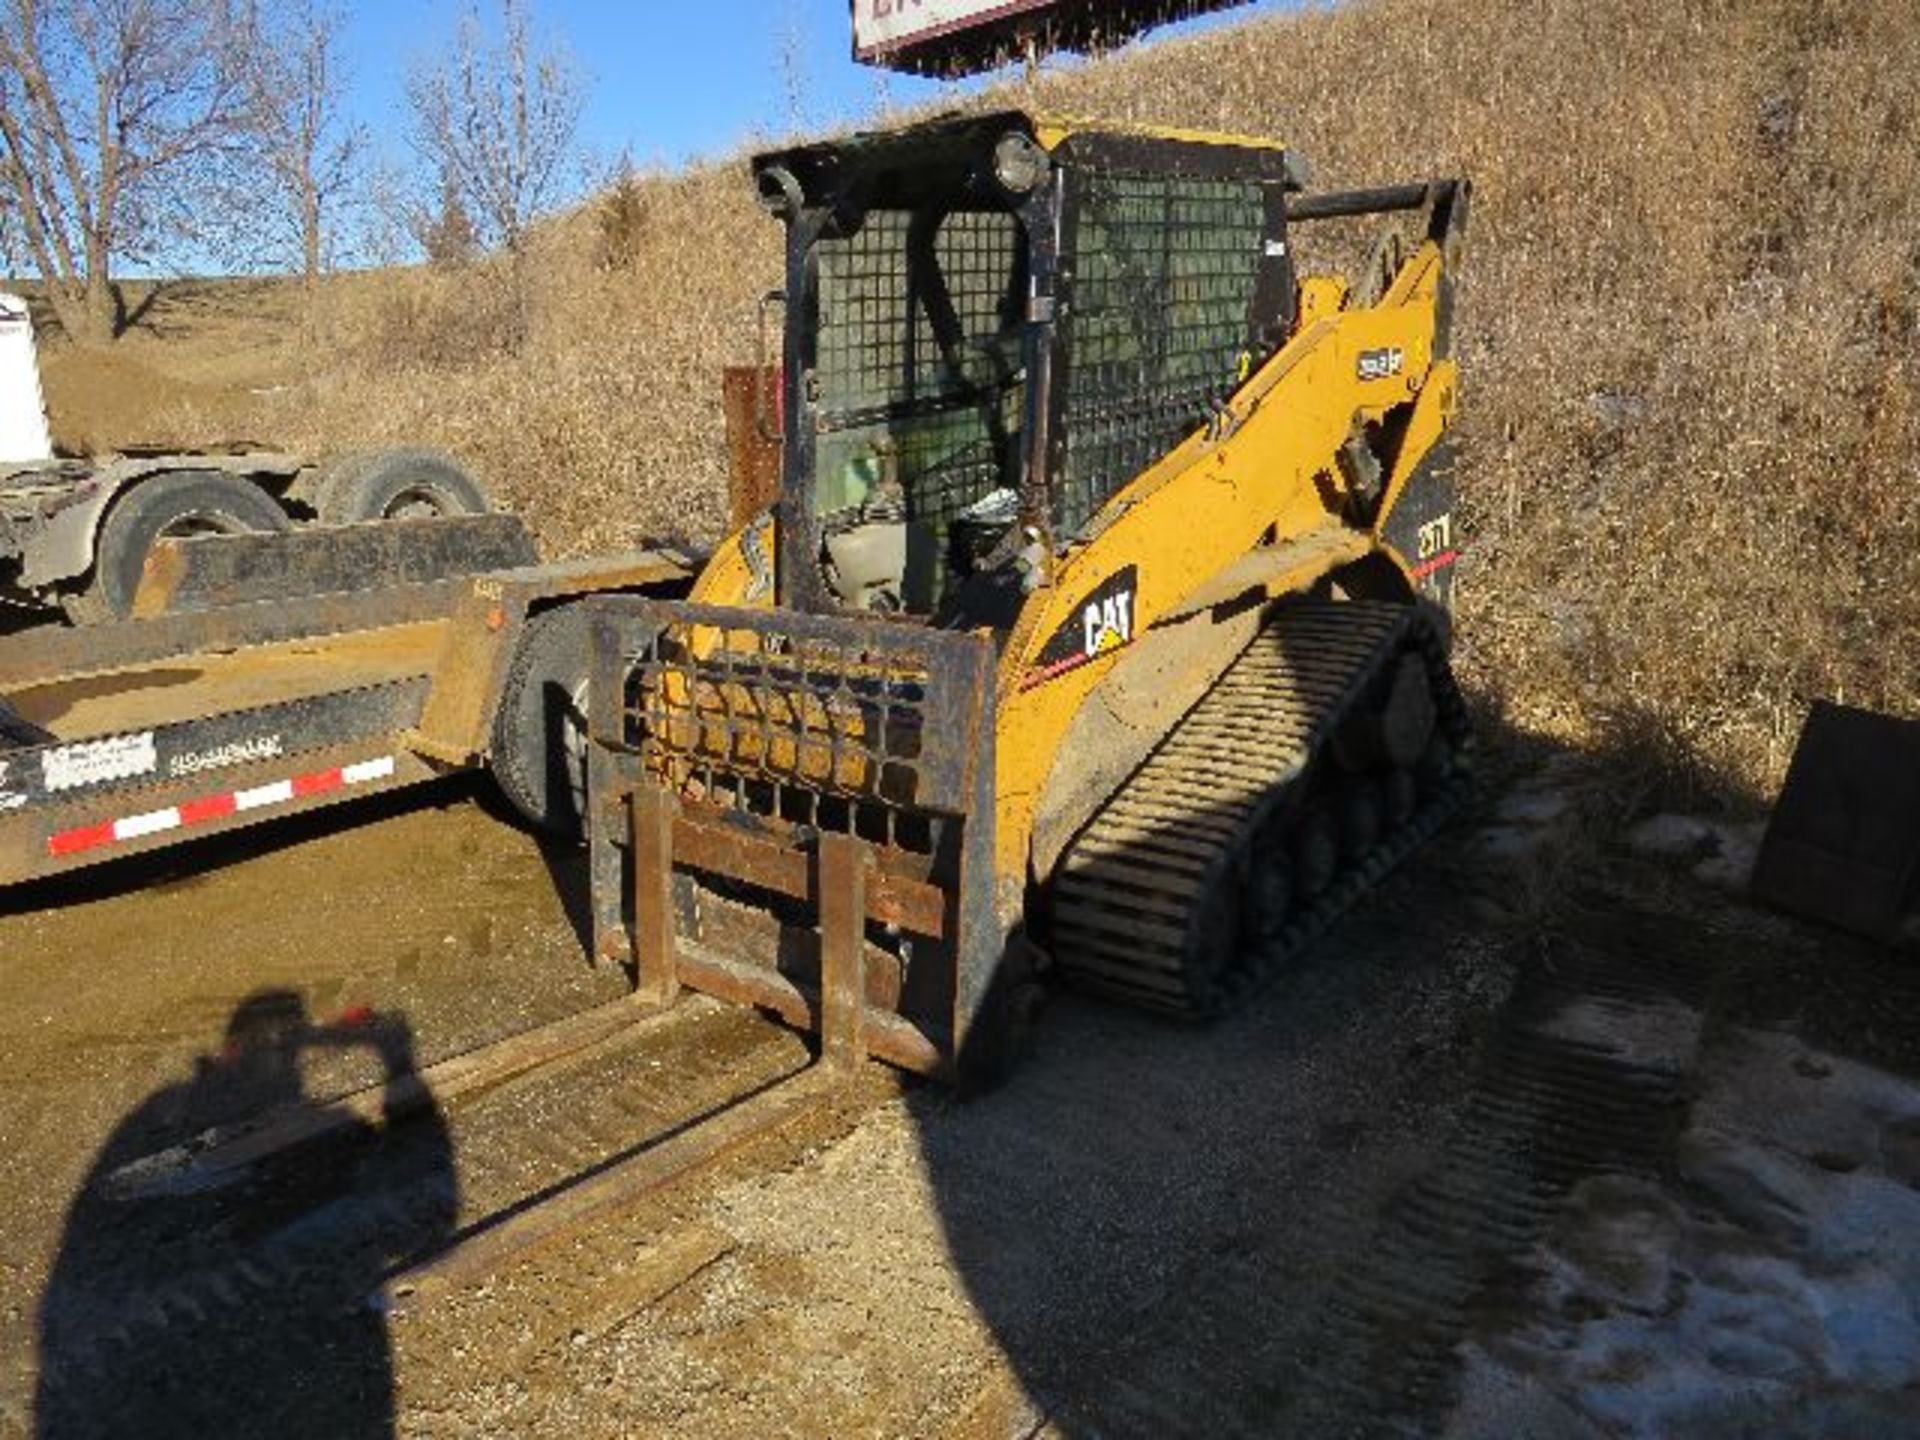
x=1103 y=624
x=1433 y=546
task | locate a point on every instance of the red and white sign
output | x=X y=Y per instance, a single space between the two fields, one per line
x=880 y=26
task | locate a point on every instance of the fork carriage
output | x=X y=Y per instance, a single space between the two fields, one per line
x=816 y=790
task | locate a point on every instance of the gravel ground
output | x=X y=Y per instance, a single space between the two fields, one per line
x=1143 y=1234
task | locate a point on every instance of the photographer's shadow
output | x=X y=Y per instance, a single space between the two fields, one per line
x=197 y=1300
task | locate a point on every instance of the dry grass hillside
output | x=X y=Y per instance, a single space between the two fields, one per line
x=1689 y=336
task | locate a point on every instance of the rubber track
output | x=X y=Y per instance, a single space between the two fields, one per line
x=1131 y=889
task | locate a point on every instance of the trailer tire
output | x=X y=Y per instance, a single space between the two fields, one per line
x=177 y=503
x=397 y=485
x=539 y=730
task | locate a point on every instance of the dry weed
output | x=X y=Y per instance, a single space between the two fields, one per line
x=1689 y=337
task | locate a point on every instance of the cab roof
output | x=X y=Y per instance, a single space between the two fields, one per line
x=961 y=138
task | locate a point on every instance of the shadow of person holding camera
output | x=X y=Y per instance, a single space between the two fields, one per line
x=195 y=1298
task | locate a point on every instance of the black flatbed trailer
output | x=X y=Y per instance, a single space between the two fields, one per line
x=267 y=675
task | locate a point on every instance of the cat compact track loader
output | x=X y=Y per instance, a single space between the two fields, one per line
x=1099 y=629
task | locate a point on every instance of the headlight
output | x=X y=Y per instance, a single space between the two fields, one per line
x=1019 y=164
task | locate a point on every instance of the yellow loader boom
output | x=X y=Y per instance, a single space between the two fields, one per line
x=1099 y=628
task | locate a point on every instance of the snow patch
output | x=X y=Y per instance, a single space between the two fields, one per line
x=1656 y=1035
x=1772 y=1286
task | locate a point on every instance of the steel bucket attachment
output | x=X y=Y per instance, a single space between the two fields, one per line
x=1843 y=843
x=795 y=812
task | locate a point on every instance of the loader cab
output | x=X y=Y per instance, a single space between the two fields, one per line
x=994 y=323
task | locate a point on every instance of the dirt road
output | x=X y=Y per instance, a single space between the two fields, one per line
x=1335 y=1213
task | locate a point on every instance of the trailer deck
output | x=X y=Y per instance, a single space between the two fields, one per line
x=273 y=674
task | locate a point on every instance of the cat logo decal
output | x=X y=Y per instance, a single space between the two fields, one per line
x=1103 y=623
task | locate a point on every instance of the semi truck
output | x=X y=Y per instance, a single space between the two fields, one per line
x=76 y=532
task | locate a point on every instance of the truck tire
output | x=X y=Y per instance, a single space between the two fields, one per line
x=397 y=485
x=176 y=504
x=539 y=754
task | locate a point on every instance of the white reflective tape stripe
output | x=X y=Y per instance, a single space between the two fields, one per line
x=366 y=770
x=134 y=827
x=278 y=793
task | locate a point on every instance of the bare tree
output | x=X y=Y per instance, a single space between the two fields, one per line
x=308 y=156
x=111 y=111
x=381 y=224
x=499 y=117
x=446 y=231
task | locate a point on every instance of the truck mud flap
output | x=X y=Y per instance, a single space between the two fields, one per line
x=795 y=812
x=1843 y=843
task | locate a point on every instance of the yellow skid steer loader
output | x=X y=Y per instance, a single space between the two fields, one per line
x=1099 y=629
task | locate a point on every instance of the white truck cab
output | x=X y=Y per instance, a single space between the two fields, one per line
x=23 y=409
x=75 y=532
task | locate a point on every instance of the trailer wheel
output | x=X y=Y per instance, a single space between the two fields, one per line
x=539 y=752
x=397 y=485
x=177 y=505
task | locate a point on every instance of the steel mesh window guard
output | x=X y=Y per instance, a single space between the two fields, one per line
x=918 y=362
x=1164 y=276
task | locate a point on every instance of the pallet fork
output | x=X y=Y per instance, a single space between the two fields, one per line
x=813 y=789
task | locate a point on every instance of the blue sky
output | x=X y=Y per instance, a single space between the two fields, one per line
x=669 y=80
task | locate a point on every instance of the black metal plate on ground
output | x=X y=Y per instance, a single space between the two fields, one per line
x=1843 y=844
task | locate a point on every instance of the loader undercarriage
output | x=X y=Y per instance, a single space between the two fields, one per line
x=1326 y=752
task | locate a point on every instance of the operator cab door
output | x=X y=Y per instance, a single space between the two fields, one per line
x=911 y=357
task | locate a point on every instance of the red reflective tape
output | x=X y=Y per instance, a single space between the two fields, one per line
x=1059 y=667
x=208 y=807
x=318 y=783
x=72 y=842
x=213 y=807
x=1438 y=562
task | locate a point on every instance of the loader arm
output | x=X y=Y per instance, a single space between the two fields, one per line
x=1277 y=515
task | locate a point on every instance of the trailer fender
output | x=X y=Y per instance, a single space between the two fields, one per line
x=63 y=547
